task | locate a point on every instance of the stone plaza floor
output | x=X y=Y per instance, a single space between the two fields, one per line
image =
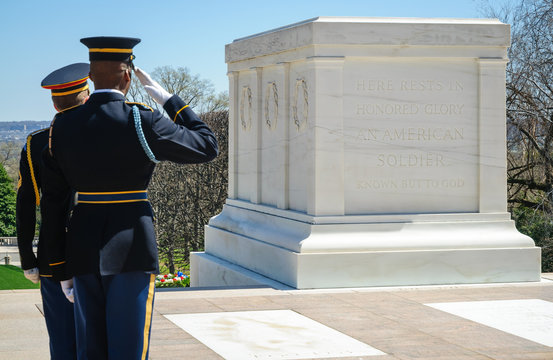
x=456 y=322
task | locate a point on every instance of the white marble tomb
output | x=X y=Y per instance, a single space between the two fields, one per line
x=367 y=152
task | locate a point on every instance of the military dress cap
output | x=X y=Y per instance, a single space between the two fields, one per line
x=113 y=48
x=69 y=79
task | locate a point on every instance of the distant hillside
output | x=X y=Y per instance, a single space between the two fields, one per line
x=18 y=130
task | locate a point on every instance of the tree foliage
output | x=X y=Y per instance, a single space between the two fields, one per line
x=9 y=158
x=539 y=227
x=185 y=197
x=197 y=93
x=7 y=204
x=530 y=106
x=530 y=120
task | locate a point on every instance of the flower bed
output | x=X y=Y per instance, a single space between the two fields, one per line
x=172 y=280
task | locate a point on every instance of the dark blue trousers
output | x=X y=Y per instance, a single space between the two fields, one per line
x=60 y=322
x=113 y=315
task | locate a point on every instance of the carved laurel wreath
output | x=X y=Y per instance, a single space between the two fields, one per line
x=246 y=114
x=271 y=90
x=300 y=121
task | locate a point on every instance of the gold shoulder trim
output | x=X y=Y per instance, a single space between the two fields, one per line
x=19 y=181
x=37 y=131
x=31 y=169
x=137 y=103
x=50 y=135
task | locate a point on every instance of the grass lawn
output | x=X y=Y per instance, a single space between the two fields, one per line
x=11 y=277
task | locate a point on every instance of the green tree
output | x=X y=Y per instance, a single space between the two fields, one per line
x=7 y=204
x=9 y=157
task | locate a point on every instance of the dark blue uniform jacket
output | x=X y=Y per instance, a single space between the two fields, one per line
x=28 y=197
x=95 y=148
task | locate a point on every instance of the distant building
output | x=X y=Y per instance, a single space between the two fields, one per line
x=18 y=130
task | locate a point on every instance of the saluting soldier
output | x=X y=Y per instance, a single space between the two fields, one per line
x=106 y=150
x=69 y=88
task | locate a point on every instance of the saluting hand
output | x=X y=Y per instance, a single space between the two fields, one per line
x=159 y=94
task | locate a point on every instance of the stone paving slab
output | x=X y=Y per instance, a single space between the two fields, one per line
x=394 y=320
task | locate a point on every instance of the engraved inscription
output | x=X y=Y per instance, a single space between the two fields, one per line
x=426 y=159
x=379 y=85
x=411 y=127
x=411 y=134
x=410 y=183
x=374 y=85
x=409 y=109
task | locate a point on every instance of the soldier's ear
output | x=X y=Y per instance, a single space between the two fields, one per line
x=90 y=76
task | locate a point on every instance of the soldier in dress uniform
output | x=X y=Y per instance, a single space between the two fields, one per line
x=107 y=150
x=69 y=87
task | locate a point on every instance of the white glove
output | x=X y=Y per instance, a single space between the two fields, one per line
x=32 y=274
x=159 y=94
x=67 y=288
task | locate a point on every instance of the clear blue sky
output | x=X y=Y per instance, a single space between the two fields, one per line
x=39 y=36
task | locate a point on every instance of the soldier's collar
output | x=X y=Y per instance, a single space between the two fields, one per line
x=108 y=91
x=69 y=108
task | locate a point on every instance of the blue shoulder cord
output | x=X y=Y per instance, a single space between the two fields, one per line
x=140 y=133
